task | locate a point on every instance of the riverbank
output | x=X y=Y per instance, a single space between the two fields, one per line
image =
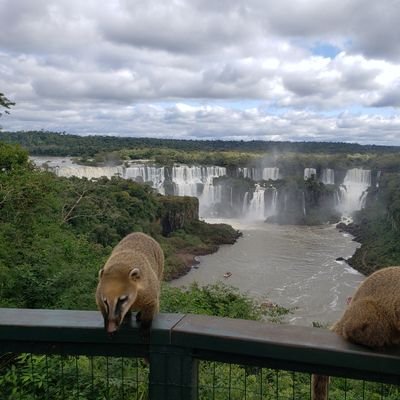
x=362 y=260
x=183 y=247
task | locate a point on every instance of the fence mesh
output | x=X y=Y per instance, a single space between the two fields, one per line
x=27 y=377
x=220 y=381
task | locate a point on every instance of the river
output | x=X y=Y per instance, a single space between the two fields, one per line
x=293 y=266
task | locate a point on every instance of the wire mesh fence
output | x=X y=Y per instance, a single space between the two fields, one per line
x=27 y=377
x=220 y=381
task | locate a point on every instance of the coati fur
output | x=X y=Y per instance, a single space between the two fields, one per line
x=130 y=281
x=372 y=318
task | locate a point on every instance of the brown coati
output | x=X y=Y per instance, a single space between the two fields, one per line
x=130 y=281
x=372 y=318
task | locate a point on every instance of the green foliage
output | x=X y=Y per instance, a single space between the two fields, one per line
x=219 y=300
x=12 y=156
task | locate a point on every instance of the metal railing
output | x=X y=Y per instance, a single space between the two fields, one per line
x=177 y=345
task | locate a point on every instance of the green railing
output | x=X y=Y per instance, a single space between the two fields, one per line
x=188 y=357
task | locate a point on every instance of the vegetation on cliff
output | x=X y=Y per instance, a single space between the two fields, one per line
x=377 y=227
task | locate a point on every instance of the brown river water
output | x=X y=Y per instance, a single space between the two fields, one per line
x=293 y=266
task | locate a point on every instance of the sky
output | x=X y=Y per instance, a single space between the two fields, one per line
x=297 y=70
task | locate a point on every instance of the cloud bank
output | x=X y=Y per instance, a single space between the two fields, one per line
x=326 y=71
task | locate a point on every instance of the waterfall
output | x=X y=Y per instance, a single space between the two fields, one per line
x=309 y=172
x=245 y=203
x=197 y=182
x=353 y=191
x=256 y=209
x=146 y=173
x=328 y=176
x=82 y=171
x=270 y=174
x=248 y=173
x=271 y=206
x=258 y=174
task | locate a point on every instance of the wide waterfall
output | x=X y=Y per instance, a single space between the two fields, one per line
x=353 y=191
x=256 y=202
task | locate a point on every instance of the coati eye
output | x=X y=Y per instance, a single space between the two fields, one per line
x=123 y=298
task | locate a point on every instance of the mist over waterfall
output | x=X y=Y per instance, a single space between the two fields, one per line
x=353 y=190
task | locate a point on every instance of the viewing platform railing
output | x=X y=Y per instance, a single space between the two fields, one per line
x=177 y=345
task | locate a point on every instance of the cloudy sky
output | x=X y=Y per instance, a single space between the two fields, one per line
x=314 y=70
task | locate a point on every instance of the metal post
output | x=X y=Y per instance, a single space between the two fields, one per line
x=173 y=374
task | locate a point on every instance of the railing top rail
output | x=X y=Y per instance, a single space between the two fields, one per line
x=223 y=339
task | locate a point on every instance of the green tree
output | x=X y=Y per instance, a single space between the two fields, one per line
x=5 y=103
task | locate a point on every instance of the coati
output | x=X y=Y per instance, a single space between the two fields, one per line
x=130 y=280
x=372 y=318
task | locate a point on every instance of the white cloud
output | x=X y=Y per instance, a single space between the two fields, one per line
x=183 y=68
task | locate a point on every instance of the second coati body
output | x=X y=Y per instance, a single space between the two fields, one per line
x=130 y=280
x=372 y=318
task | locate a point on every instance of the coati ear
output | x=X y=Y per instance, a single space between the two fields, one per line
x=134 y=274
x=101 y=272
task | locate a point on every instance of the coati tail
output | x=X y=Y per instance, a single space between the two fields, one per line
x=319 y=385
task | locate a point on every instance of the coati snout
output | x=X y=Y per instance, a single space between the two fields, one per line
x=116 y=294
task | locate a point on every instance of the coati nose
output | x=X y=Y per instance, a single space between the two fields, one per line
x=112 y=327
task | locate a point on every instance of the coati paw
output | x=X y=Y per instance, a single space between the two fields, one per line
x=139 y=316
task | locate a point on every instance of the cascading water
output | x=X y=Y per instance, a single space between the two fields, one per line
x=197 y=182
x=146 y=173
x=328 y=176
x=353 y=190
x=271 y=206
x=309 y=172
x=256 y=209
x=270 y=174
x=262 y=205
x=81 y=171
x=258 y=174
